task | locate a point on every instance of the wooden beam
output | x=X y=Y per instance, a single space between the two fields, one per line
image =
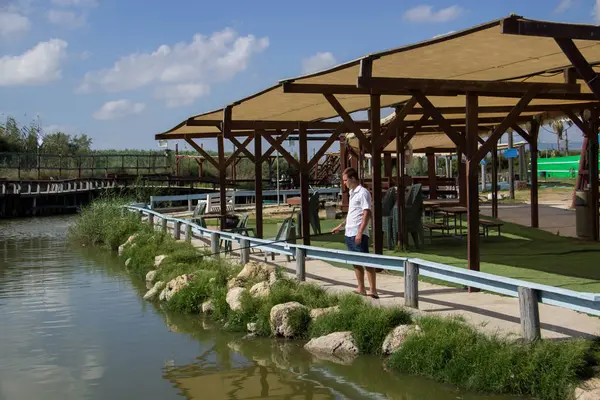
x=304 y=178
x=580 y=63
x=521 y=133
x=432 y=86
x=258 y=160
x=222 y=171
x=533 y=147
x=472 y=183
x=339 y=109
x=204 y=154
x=242 y=147
x=334 y=136
x=226 y=126
x=266 y=125
x=391 y=131
x=577 y=121
x=439 y=118
x=277 y=145
x=593 y=174
x=506 y=109
x=518 y=26
x=238 y=150
x=504 y=125
x=375 y=117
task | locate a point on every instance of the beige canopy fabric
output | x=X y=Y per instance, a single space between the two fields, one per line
x=479 y=53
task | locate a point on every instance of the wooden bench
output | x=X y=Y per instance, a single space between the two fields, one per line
x=487 y=224
x=432 y=226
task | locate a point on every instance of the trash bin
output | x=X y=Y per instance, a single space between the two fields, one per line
x=583 y=223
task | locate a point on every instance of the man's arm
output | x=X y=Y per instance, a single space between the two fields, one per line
x=339 y=227
x=366 y=216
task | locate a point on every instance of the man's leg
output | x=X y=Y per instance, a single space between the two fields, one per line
x=372 y=277
x=360 y=278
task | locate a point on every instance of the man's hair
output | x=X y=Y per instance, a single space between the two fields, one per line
x=350 y=173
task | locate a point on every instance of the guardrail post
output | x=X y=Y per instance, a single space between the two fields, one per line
x=300 y=264
x=189 y=204
x=188 y=233
x=530 y=314
x=244 y=251
x=141 y=214
x=177 y=230
x=151 y=220
x=214 y=243
x=164 y=225
x=411 y=285
x=123 y=212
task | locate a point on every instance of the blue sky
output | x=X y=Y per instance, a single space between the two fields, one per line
x=123 y=70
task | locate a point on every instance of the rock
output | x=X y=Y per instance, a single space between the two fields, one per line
x=129 y=241
x=279 y=318
x=158 y=260
x=212 y=280
x=255 y=269
x=174 y=286
x=251 y=327
x=207 y=307
x=127 y=262
x=235 y=282
x=336 y=343
x=394 y=340
x=272 y=278
x=261 y=289
x=589 y=390
x=234 y=298
x=151 y=275
x=151 y=294
x=318 y=312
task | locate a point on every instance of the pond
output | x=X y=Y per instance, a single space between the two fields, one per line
x=74 y=326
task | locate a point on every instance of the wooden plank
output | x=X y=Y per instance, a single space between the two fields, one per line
x=243 y=147
x=472 y=183
x=343 y=166
x=411 y=285
x=238 y=150
x=258 y=184
x=517 y=26
x=581 y=65
x=507 y=109
x=530 y=314
x=431 y=86
x=334 y=136
x=533 y=147
x=304 y=180
x=439 y=118
x=390 y=132
x=277 y=145
x=339 y=109
x=375 y=117
x=495 y=181
x=264 y=125
x=300 y=264
x=504 y=125
x=203 y=153
x=283 y=136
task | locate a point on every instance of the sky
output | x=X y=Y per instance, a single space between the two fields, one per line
x=121 y=71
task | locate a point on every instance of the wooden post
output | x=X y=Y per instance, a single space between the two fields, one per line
x=593 y=173
x=530 y=314
x=462 y=179
x=375 y=117
x=244 y=251
x=533 y=146
x=304 y=177
x=400 y=165
x=164 y=225
x=222 y=169
x=177 y=230
x=411 y=285
x=151 y=220
x=511 y=168
x=123 y=210
x=387 y=167
x=343 y=166
x=495 y=181
x=188 y=233
x=472 y=136
x=140 y=215
x=258 y=183
x=432 y=173
x=214 y=244
x=300 y=264
x=190 y=204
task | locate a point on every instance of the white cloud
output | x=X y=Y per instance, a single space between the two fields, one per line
x=318 y=62
x=182 y=94
x=203 y=61
x=563 y=5
x=118 y=109
x=13 y=23
x=66 y=19
x=75 y=3
x=39 y=65
x=596 y=12
x=425 y=13
x=57 y=128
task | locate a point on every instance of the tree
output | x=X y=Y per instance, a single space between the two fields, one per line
x=558 y=127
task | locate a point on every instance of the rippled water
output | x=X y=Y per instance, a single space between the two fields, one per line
x=74 y=326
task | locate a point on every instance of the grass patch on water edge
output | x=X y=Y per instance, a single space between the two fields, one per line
x=447 y=350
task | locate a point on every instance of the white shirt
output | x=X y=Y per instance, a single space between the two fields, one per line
x=360 y=200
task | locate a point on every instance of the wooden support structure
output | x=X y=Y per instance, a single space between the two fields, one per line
x=244 y=251
x=400 y=166
x=343 y=166
x=593 y=174
x=300 y=264
x=411 y=285
x=375 y=116
x=258 y=160
x=188 y=233
x=214 y=244
x=304 y=178
x=177 y=230
x=530 y=314
x=472 y=134
x=495 y=182
x=432 y=174
x=533 y=149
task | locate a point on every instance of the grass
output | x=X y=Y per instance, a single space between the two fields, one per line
x=452 y=352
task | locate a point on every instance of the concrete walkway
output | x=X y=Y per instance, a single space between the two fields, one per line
x=490 y=313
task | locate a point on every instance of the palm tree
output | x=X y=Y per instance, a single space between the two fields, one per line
x=558 y=127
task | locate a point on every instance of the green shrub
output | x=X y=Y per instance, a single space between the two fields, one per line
x=299 y=320
x=190 y=298
x=452 y=352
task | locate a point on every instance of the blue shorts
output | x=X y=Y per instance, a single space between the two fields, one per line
x=363 y=247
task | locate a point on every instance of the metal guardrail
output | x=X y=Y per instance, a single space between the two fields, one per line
x=529 y=293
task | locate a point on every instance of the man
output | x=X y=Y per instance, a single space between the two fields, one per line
x=357 y=228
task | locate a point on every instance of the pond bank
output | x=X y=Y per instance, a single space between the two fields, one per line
x=449 y=351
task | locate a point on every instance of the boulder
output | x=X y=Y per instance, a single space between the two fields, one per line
x=234 y=298
x=317 y=312
x=336 y=343
x=261 y=289
x=279 y=318
x=151 y=275
x=251 y=327
x=256 y=270
x=272 y=278
x=235 y=282
x=127 y=262
x=151 y=294
x=207 y=307
x=129 y=241
x=589 y=390
x=158 y=260
x=174 y=286
x=394 y=340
